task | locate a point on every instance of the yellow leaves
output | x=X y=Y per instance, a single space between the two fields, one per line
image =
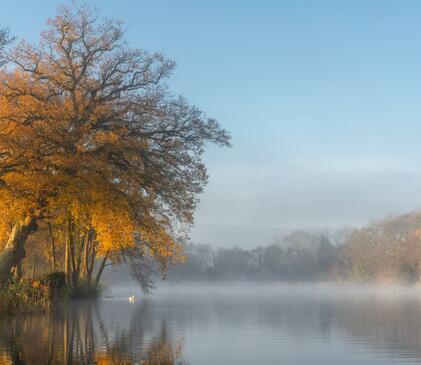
x=113 y=225
x=53 y=150
x=160 y=243
x=103 y=137
x=12 y=208
x=90 y=134
x=92 y=204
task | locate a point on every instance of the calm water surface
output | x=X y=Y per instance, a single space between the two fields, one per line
x=232 y=324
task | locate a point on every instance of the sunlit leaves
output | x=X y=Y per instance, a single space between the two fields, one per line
x=90 y=136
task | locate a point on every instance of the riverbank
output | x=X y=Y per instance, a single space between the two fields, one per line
x=41 y=294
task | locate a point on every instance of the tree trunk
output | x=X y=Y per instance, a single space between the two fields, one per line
x=18 y=272
x=67 y=259
x=85 y=258
x=72 y=254
x=14 y=251
x=80 y=250
x=53 y=248
x=92 y=255
x=101 y=269
x=34 y=268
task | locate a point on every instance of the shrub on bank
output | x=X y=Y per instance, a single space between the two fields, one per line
x=31 y=295
x=24 y=296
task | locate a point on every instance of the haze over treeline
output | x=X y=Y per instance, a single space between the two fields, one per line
x=385 y=251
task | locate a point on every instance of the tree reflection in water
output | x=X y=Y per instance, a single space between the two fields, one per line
x=77 y=335
x=226 y=324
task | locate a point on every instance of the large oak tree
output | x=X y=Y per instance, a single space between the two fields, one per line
x=91 y=137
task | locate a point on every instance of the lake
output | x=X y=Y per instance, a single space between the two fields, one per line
x=225 y=324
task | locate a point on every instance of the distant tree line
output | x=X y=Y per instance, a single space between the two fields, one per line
x=299 y=256
x=384 y=251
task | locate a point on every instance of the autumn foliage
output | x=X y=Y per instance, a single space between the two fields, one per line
x=95 y=150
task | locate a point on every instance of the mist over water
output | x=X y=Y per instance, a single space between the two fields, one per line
x=225 y=324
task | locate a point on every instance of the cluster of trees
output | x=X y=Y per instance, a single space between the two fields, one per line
x=298 y=256
x=387 y=251
x=99 y=162
x=384 y=251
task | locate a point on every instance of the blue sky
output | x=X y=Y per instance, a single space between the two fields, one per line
x=322 y=98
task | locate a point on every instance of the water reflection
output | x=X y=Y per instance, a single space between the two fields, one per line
x=78 y=334
x=272 y=325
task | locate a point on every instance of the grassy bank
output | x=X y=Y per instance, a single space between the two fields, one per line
x=40 y=294
x=25 y=296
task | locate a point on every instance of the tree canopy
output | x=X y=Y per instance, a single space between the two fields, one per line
x=91 y=139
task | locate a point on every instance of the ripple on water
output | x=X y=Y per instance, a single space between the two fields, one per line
x=242 y=324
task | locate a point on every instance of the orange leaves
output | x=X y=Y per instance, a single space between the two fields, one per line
x=89 y=133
